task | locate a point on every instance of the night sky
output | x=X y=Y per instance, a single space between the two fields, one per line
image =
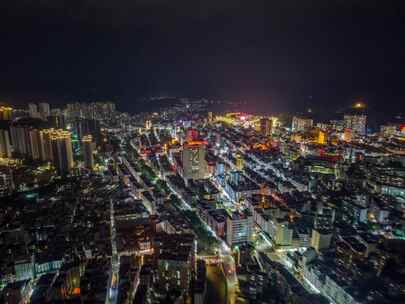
x=277 y=55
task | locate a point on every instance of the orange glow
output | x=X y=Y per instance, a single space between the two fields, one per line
x=76 y=291
x=261 y=146
x=197 y=143
x=359 y=105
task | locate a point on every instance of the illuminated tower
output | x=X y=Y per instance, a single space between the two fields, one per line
x=88 y=148
x=62 y=151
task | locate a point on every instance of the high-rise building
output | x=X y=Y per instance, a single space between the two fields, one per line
x=300 y=124
x=284 y=233
x=62 y=151
x=44 y=110
x=57 y=121
x=347 y=135
x=321 y=137
x=321 y=239
x=193 y=160
x=192 y=134
x=210 y=117
x=266 y=126
x=108 y=109
x=356 y=123
x=6 y=181
x=148 y=125
x=240 y=162
x=88 y=148
x=83 y=127
x=35 y=144
x=239 y=228
x=5 y=146
x=25 y=139
x=324 y=218
x=46 y=144
x=388 y=130
x=5 y=113
x=33 y=110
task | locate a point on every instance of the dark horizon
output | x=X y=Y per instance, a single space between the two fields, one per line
x=285 y=57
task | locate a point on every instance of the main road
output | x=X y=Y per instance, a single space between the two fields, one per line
x=228 y=276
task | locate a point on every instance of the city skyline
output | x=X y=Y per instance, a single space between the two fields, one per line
x=190 y=204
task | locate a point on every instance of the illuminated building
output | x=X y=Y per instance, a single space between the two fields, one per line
x=239 y=228
x=33 y=110
x=35 y=144
x=20 y=139
x=240 y=162
x=284 y=233
x=356 y=122
x=175 y=260
x=300 y=124
x=388 y=130
x=46 y=144
x=82 y=127
x=321 y=239
x=5 y=146
x=337 y=125
x=192 y=134
x=6 y=182
x=266 y=126
x=57 y=121
x=93 y=110
x=44 y=110
x=347 y=135
x=321 y=137
x=148 y=125
x=210 y=117
x=237 y=186
x=88 y=148
x=193 y=160
x=25 y=137
x=5 y=113
x=62 y=151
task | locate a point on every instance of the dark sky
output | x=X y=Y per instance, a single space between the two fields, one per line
x=275 y=54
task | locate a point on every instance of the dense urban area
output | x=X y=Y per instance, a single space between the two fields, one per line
x=195 y=205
